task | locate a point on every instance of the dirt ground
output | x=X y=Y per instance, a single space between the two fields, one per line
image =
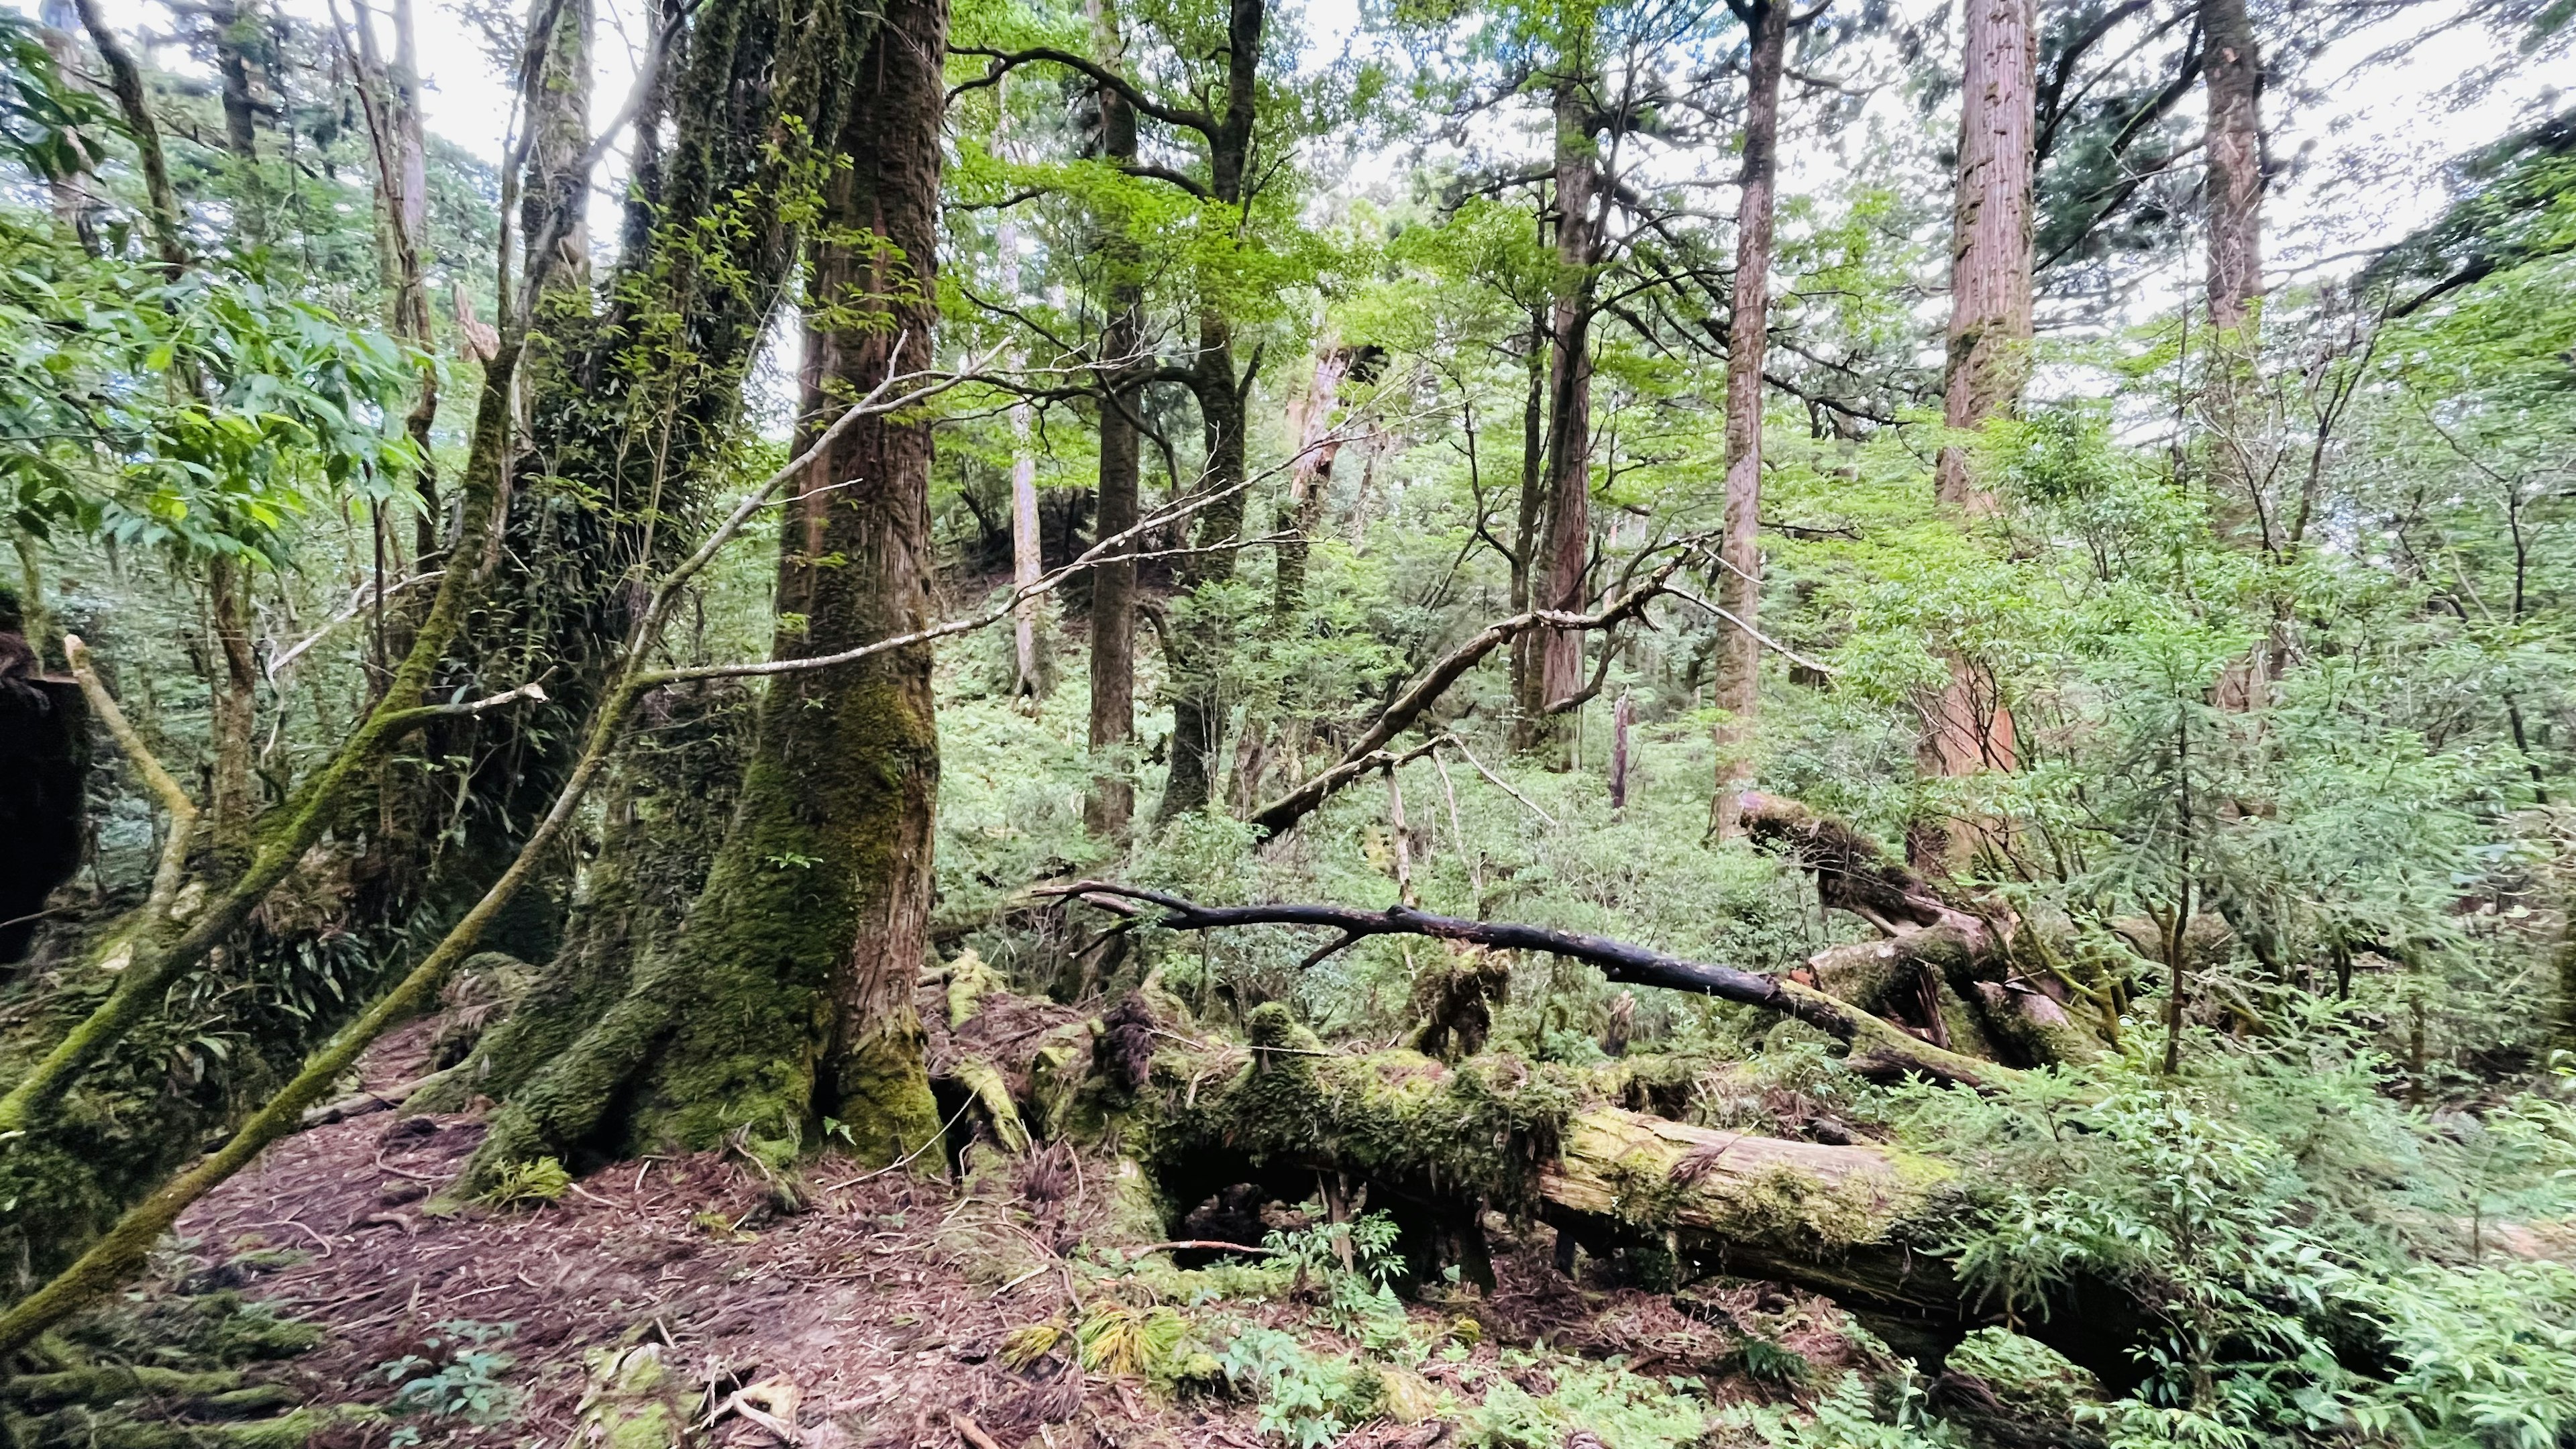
x=866 y=1319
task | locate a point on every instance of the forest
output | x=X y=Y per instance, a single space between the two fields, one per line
x=1267 y=724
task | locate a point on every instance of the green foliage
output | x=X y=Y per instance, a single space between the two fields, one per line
x=454 y=1375
x=1851 y=1414
x=1624 y=1409
x=1307 y=1399
x=526 y=1184
x=200 y=414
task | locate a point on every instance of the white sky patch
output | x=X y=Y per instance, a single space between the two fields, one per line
x=2362 y=167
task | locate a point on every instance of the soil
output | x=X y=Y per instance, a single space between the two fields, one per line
x=865 y=1316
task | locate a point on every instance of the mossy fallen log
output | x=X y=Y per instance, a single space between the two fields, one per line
x=1438 y=1146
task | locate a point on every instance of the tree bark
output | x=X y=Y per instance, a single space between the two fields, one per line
x=1111 y=801
x=1031 y=668
x=1567 y=553
x=558 y=132
x=787 y=999
x=233 y=705
x=1990 y=262
x=1529 y=708
x=2232 y=68
x=1739 y=584
x=1310 y=474
x=2232 y=192
x=1967 y=727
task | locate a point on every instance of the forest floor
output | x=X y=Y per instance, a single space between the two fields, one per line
x=867 y=1318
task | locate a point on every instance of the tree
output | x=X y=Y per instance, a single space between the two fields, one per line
x=1739 y=651
x=1968 y=726
x=1110 y=801
x=799 y=956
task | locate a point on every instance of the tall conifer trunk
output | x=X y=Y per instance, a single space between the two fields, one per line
x=1111 y=800
x=1739 y=587
x=1967 y=727
x=1566 y=553
x=2232 y=194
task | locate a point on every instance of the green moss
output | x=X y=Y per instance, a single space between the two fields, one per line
x=633 y=1401
x=884 y=1085
x=1480 y=1129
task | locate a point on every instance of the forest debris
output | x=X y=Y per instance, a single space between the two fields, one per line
x=770 y=1404
x=992 y=1093
x=632 y=1401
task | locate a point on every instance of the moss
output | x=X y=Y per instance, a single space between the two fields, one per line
x=1481 y=1129
x=992 y=1093
x=884 y=1085
x=969 y=982
x=632 y=1401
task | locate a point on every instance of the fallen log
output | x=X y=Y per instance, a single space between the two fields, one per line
x=1879 y=1048
x=1437 y=1146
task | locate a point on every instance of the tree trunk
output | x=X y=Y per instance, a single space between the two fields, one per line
x=1967 y=727
x=2232 y=189
x=663 y=816
x=787 y=999
x=1111 y=800
x=2232 y=68
x=1310 y=474
x=633 y=410
x=1739 y=584
x=1566 y=555
x=558 y=133
x=1529 y=709
x=232 y=702
x=1029 y=642
x=1990 y=261
x=1199 y=648
x=1030 y=665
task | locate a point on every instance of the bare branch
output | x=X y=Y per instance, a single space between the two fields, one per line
x=1880 y=1048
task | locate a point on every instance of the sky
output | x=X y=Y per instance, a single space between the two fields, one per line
x=2365 y=154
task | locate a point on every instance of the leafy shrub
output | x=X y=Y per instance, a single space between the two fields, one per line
x=456 y=1375
x=1307 y=1399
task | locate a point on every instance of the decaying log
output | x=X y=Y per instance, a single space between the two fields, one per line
x=1437 y=1146
x=1966 y=975
x=1879 y=1048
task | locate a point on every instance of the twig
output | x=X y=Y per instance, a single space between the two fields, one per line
x=906 y=1160
x=1204 y=1245
x=1765 y=640
x=1499 y=783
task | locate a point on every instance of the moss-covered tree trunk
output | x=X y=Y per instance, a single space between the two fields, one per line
x=786 y=1000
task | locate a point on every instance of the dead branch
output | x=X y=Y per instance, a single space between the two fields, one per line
x=1879 y=1048
x=1297 y=804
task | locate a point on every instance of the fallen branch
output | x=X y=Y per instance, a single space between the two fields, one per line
x=1879 y=1047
